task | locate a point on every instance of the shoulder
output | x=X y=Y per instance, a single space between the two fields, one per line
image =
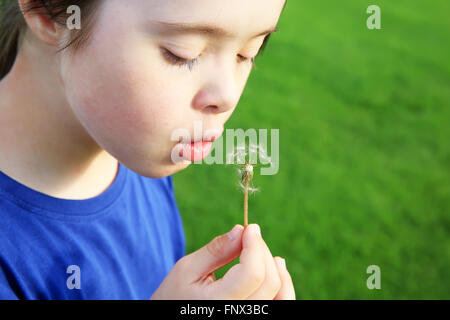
x=156 y=194
x=164 y=182
x=8 y=281
x=167 y=182
x=160 y=187
x=160 y=198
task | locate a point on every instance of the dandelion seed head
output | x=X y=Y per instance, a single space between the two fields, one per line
x=237 y=155
x=257 y=155
x=263 y=157
x=252 y=147
x=251 y=189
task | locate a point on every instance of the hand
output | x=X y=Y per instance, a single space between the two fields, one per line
x=257 y=276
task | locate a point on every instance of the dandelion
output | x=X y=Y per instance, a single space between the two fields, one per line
x=246 y=169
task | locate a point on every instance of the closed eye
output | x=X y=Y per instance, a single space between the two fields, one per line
x=178 y=61
x=245 y=59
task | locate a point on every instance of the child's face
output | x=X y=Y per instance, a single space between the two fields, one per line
x=131 y=95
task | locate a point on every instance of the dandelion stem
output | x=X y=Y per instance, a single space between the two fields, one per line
x=247 y=179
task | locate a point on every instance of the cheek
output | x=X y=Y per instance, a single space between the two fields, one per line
x=121 y=95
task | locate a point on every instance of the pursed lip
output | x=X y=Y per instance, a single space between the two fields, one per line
x=206 y=137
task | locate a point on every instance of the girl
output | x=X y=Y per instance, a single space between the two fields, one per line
x=86 y=115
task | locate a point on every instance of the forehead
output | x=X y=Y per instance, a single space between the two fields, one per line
x=236 y=17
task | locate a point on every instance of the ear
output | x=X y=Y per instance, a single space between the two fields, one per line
x=41 y=24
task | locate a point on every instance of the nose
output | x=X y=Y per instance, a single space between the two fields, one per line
x=219 y=93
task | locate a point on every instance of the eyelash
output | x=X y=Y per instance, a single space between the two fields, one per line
x=180 y=62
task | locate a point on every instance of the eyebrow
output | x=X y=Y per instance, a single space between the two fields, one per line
x=204 y=29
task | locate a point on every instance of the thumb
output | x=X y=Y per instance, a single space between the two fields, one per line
x=220 y=251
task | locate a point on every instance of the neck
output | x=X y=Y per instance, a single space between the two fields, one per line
x=42 y=143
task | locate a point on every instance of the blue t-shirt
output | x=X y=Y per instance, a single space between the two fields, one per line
x=118 y=245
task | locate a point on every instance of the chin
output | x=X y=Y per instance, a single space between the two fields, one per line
x=176 y=167
x=162 y=171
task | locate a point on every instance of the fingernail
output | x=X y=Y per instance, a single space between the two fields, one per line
x=283 y=263
x=234 y=232
x=257 y=229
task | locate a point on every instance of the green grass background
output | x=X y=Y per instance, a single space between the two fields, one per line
x=364 y=152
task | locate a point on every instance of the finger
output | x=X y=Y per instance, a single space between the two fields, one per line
x=287 y=291
x=247 y=276
x=210 y=278
x=220 y=251
x=272 y=282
